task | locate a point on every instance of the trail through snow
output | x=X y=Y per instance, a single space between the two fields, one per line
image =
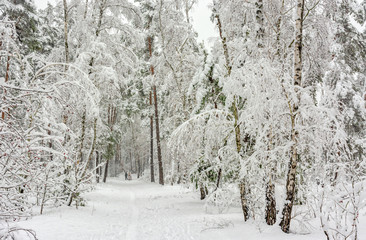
x=132 y=227
x=136 y=210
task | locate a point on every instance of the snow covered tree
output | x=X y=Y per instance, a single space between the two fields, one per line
x=23 y=13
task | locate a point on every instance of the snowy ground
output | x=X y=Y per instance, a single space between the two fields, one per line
x=136 y=210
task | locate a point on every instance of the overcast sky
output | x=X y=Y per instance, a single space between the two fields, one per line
x=201 y=19
x=43 y=3
x=202 y=23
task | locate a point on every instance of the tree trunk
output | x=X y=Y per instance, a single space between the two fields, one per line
x=151 y=144
x=100 y=168
x=105 y=171
x=291 y=175
x=131 y=161
x=203 y=192
x=271 y=211
x=234 y=110
x=218 y=178
x=44 y=194
x=116 y=160
x=86 y=9
x=66 y=43
x=161 y=174
x=99 y=28
x=260 y=20
x=270 y=203
x=224 y=45
x=97 y=173
x=91 y=150
x=244 y=200
x=50 y=145
x=83 y=122
x=6 y=79
x=152 y=176
x=138 y=166
x=80 y=175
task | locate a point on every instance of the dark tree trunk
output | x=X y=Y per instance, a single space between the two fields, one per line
x=50 y=142
x=97 y=173
x=203 y=192
x=105 y=171
x=151 y=144
x=218 y=179
x=131 y=161
x=270 y=204
x=116 y=160
x=271 y=210
x=100 y=161
x=138 y=166
x=151 y=120
x=161 y=173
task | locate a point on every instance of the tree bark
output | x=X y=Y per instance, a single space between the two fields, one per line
x=270 y=203
x=260 y=20
x=161 y=173
x=117 y=160
x=271 y=211
x=131 y=161
x=44 y=193
x=137 y=166
x=50 y=145
x=244 y=200
x=291 y=175
x=99 y=28
x=83 y=122
x=224 y=45
x=152 y=176
x=86 y=8
x=97 y=173
x=203 y=192
x=100 y=168
x=105 y=171
x=92 y=149
x=152 y=148
x=66 y=43
x=6 y=79
x=218 y=178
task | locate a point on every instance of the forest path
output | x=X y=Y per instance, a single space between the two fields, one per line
x=137 y=210
x=132 y=227
x=123 y=210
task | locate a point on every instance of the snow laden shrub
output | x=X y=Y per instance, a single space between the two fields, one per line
x=220 y=200
x=212 y=165
x=225 y=194
x=12 y=233
x=38 y=155
x=19 y=162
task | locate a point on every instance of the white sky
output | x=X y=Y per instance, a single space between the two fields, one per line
x=202 y=23
x=43 y=3
x=200 y=14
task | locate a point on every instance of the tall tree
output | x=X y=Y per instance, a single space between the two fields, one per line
x=294 y=158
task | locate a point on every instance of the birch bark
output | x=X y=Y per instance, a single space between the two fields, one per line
x=291 y=175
